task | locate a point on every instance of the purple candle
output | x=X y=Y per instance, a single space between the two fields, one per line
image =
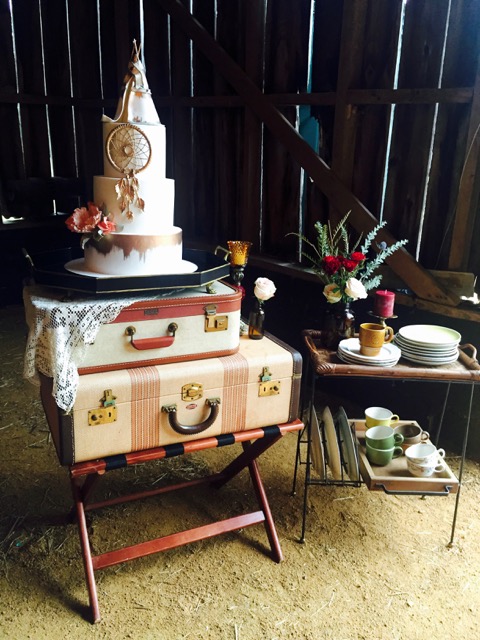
x=383 y=304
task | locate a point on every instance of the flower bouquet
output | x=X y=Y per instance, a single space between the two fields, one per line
x=91 y=222
x=346 y=271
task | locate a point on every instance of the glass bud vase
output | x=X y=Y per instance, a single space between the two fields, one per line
x=338 y=324
x=256 y=321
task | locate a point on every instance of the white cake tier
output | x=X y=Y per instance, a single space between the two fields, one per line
x=135 y=255
x=120 y=149
x=159 y=198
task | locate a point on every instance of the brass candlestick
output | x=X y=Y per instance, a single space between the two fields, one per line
x=238 y=256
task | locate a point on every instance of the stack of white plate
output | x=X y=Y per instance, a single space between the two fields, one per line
x=349 y=351
x=428 y=344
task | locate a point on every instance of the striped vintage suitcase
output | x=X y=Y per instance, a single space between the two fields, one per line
x=142 y=408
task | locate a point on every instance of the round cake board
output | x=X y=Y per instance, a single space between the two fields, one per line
x=78 y=267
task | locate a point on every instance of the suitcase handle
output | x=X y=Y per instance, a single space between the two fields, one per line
x=190 y=430
x=152 y=343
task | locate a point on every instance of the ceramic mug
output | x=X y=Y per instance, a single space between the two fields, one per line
x=382 y=437
x=412 y=434
x=425 y=453
x=379 y=416
x=382 y=457
x=372 y=337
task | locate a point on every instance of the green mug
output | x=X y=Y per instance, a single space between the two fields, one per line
x=382 y=457
x=382 y=437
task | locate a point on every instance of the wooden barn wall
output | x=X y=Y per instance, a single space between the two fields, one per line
x=63 y=65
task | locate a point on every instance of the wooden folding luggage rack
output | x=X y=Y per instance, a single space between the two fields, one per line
x=85 y=475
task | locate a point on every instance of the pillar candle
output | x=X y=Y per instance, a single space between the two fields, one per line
x=383 y=304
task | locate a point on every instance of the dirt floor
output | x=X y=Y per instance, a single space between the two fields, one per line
x=373 y=566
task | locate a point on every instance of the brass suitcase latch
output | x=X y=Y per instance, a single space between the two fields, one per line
x=214 y=322
x=267 y=386
x=192 y=391
x=106 y=413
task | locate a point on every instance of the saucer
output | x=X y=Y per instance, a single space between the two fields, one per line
x=350 y=350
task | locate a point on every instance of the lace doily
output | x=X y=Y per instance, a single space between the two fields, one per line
x=59 y=331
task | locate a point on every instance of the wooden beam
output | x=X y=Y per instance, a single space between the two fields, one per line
x=417 y=278
x=460 y=95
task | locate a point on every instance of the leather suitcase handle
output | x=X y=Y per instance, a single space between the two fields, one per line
x=143 y=344
x=190 y=430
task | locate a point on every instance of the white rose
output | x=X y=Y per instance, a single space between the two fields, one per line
x=332 y=293
x=264 y=289
x=355 y=289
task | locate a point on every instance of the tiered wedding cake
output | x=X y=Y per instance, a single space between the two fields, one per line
x=130 y=226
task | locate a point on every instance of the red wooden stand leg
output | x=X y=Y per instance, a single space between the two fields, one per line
x=277 y=554
x=86 y=552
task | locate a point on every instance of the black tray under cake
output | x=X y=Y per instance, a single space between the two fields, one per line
x=48 y=268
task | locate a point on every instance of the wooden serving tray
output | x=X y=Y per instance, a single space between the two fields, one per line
x=395 y=477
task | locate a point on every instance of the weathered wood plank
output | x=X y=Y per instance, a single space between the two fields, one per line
x=182 y=132
x=463 y=251
x=378 y=59
x=285 y=69
x=413 y=126
x=349 y=73
x=248 y=224
x=33 y=118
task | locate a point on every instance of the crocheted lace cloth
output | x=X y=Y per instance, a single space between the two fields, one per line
x=59 y=330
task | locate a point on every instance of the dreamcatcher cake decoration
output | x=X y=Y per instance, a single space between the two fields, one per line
x=129 y=151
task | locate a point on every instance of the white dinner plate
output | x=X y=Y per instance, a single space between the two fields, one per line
x=333 y=452
x=430 y=335
x=78 y=267
x=434 y=362
x=420 y=349
x=379 y=363
x=349 y=449
x=316 y=445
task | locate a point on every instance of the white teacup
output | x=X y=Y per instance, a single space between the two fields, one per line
x=424 y=459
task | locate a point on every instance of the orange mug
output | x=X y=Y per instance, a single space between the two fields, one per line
x=372 y=338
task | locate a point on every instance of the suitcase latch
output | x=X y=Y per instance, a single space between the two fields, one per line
x=267 y=386
x=192 y=391
x=106 y=413
x=214 y=322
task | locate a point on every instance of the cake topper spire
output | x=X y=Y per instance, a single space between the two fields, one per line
x=136 y=105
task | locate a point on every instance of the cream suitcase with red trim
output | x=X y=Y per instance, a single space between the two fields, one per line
x=143 y=408
x=193 y=324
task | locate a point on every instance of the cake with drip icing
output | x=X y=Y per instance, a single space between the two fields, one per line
x=129 y=228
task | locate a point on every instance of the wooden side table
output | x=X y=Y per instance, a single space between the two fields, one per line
x=324 y=363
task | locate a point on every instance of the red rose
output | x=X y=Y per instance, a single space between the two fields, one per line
x=349 y=265
x=331 y=264
x=358 y=256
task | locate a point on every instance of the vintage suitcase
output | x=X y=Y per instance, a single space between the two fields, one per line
x=192 y=324
x=142 y=408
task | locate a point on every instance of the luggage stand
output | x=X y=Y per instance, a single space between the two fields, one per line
x=85 y=475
